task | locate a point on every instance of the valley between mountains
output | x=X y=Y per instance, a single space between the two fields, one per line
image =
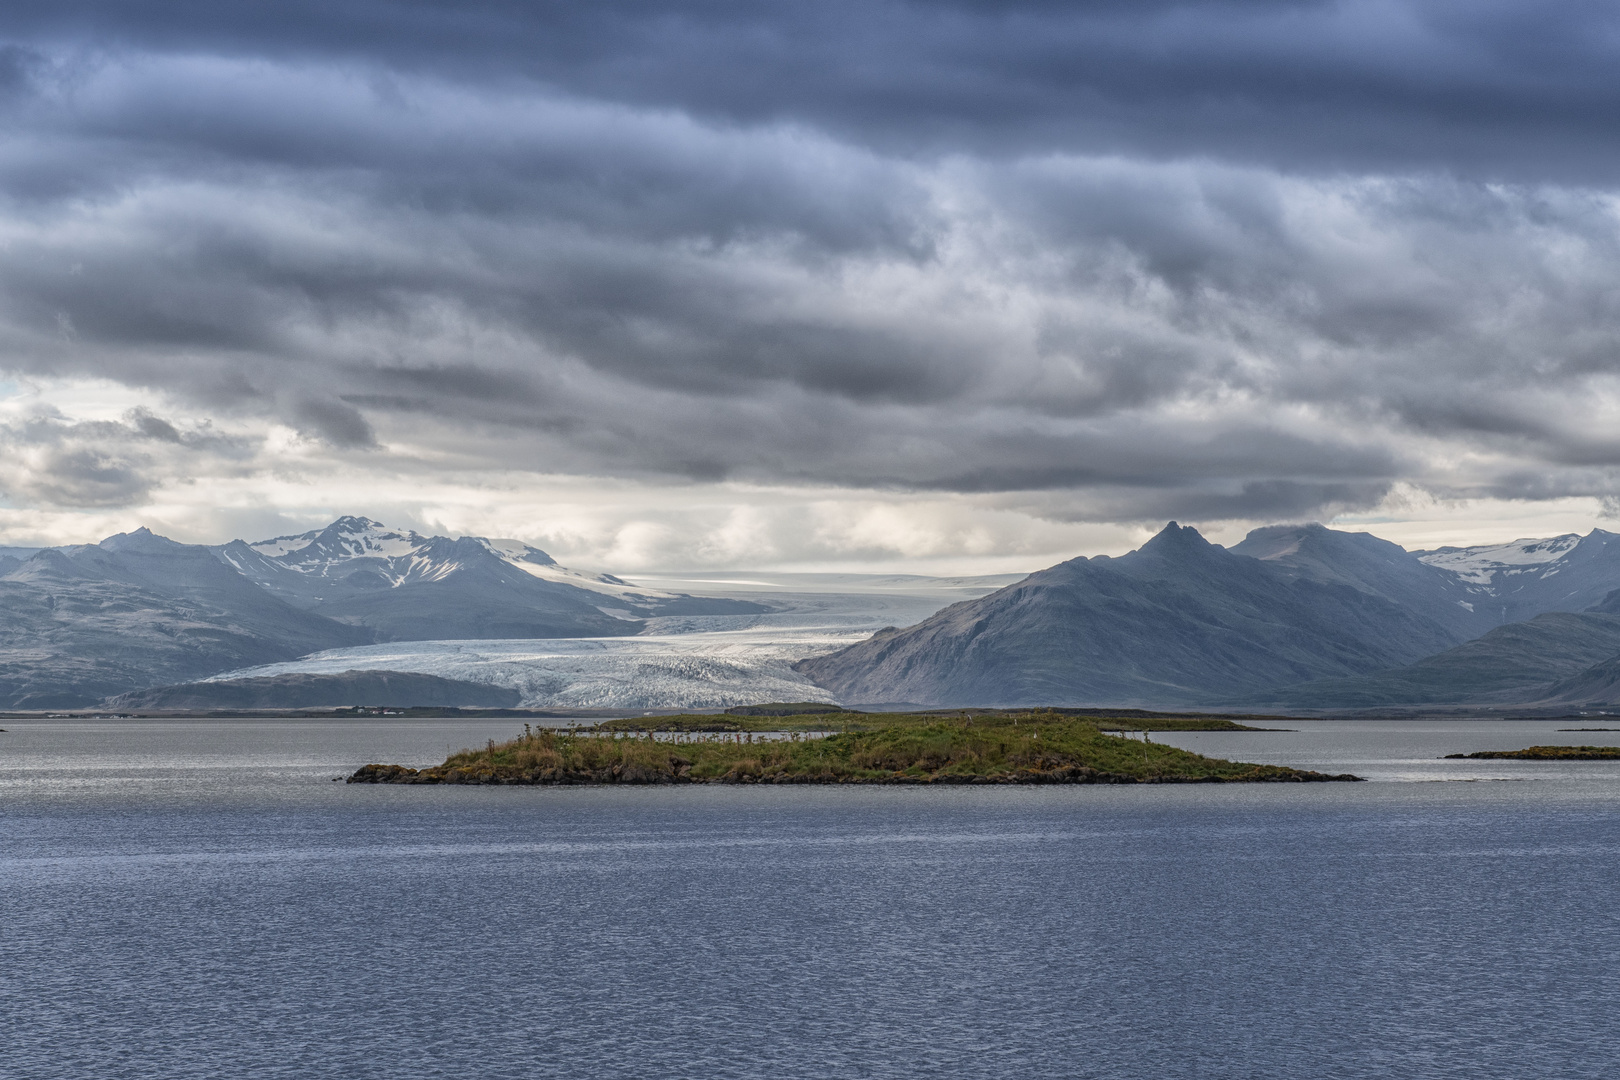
x=1295 y=618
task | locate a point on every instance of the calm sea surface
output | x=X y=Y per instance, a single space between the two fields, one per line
x=199 y=899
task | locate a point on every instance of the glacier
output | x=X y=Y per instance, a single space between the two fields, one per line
x=687 y=662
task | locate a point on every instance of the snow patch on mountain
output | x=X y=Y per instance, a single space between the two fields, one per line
x=1481 y=565
x=516 y=551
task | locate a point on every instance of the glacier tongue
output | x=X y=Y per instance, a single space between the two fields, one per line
x=684 y=661
x=700 y=670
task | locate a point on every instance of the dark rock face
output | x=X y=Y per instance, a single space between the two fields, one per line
x=1178 y=621
x=137 y=610
x=392 y=688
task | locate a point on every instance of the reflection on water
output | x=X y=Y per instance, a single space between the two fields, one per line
x=198 y=899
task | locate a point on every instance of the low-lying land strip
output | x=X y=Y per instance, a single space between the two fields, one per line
x=1030 y=748
x=1549 y=753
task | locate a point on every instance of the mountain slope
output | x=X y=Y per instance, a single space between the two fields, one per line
x=138 y=610
x=409 y=587
x=1513 y=664
x=467 y=592
x=1378 y=567
x=1177 y=621
x=1597 y=686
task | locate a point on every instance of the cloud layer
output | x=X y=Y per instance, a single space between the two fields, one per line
x=1085 y=263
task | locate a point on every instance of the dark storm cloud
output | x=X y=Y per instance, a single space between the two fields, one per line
x=1511 y=89
x=1219 y=260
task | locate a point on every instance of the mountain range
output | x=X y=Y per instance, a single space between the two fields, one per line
x=136 y=611
x=405 y=587
x=1293 y=618
x=1299 y=617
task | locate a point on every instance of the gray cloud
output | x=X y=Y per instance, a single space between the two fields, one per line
x=1191 y=260
x=54 y=462
x=335 y=422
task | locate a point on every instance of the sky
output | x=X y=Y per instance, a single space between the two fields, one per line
x=953 y=287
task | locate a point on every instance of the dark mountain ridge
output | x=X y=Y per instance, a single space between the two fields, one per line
x=1175 y=622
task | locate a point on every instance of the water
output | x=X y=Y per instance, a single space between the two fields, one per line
x=191 y=899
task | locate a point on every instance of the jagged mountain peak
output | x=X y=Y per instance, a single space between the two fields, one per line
x=1174 y=540
x=348 y=537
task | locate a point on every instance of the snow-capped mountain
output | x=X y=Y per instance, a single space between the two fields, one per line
x=406 y=586
x=1527 y=577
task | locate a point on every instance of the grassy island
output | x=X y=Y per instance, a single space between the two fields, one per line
x=1549 y=753
x=1005 y=749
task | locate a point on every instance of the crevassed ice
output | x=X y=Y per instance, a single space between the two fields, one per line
x=693 y=670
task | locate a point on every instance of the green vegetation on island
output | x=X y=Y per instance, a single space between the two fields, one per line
x=832 y=718
x=1029 y=748
x=1549 y=753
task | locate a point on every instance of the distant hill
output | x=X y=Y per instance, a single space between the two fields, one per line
x=1178 y=621
x=301 y=691
x=137 y=610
